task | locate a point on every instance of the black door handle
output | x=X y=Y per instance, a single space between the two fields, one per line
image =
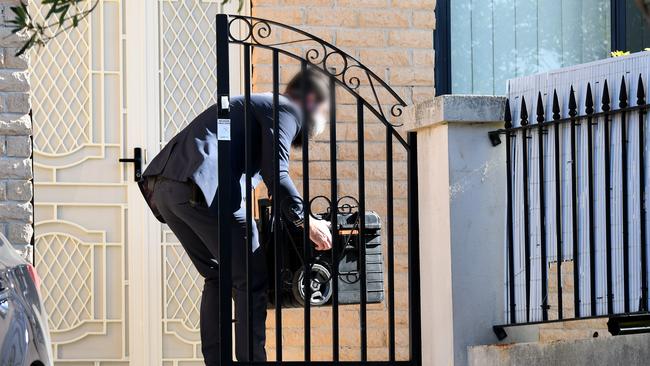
x=137 y=163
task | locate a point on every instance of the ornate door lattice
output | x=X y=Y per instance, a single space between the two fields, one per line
x=80 y=190
x=82 y=195
x=188 y=82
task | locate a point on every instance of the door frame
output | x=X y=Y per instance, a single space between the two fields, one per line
x=142 y=106
x=144 y=255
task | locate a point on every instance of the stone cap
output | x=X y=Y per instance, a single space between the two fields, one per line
x=455 y=108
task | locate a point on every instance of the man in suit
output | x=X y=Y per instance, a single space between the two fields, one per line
x=180 y=186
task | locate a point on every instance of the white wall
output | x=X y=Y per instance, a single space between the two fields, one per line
x=462 y=211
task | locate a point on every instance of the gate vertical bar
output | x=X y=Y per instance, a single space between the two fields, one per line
x=276 y=206
x=523 y=115
x=362 y=228
x=415 y=315
x=590 y=204
x=622 y=103
x=390 y=251
x=558 y=202
x=640 y=100
x=573 y=112
x=608 y=211
x=223 y=196
x=510 y=216
x=306 y=214
x=249 y=200
x=542 y=204
x=334 y=223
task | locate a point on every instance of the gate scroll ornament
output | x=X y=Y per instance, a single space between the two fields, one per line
x=345 y=69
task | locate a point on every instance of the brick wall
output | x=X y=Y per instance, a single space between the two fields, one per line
x=569 y=330
x=15 y=138
x=395 y=39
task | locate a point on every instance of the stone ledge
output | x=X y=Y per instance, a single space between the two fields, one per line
x=619 y=350
x=455 y=109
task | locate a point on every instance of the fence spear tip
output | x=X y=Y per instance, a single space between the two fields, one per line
x=589 y=100
x=524 y=112
x=556 y=106
x=640 y=92
x=622 y=95
x=573 y=106
x=507 y=117
x=540 y=108
x=605 y=100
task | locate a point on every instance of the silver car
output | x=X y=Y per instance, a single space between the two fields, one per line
x=24 y=336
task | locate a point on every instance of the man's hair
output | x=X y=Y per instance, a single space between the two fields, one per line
x=302 y=84
x=308 y=82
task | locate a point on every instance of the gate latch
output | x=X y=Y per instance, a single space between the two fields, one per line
x=137 y=163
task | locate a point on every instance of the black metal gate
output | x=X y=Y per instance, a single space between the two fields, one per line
x=347 y=74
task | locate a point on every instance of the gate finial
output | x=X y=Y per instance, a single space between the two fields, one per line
x=605 y=101
x=507 y=117
x=640 y=92
x=540 y=108
x=523 y=115
x=589 y=100
x=556 y=106
x=573 y=106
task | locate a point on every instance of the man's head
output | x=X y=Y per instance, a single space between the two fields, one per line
x=310 y=87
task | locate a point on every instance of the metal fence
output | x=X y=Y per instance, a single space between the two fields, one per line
x=347 y=76
x=576 y=203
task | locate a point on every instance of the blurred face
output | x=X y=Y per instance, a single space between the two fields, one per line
x=317 y=117
x=319 y=114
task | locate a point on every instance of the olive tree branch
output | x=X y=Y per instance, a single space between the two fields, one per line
x=61 y=16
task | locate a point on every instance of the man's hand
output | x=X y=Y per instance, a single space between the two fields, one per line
x=319 y=233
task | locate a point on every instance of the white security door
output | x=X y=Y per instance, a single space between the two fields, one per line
x=81 y=204
x=172 y=79
x=117 y=285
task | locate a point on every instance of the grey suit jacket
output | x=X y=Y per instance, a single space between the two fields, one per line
x=192 y=153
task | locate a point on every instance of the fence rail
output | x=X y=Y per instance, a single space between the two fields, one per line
x=576 y=218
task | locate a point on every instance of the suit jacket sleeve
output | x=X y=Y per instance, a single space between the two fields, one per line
x=289 y=126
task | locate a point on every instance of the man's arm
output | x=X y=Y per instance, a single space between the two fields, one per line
x=291 y=204
x=288 y=197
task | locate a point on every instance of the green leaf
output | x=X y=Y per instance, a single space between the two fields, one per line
x=30 y=42
x=64 y=12
x=75 y=21
x=51 y=11
x=20 y=20
x=20 y=11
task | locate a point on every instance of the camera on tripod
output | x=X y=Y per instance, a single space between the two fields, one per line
x=344 y=255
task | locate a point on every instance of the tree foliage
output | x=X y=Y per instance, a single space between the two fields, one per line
x=59 y=17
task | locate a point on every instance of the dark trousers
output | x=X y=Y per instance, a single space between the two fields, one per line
x=195 y=227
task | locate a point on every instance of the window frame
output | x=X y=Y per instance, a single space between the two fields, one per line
x=442 y=40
